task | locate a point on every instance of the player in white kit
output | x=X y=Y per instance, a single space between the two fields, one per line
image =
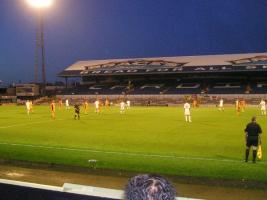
x=122 y=107
x=221 y=108
x=67 y=104
x=187 y=112
x=97 y=104
x=128 y=104
x=263 y=107
x=28 y=106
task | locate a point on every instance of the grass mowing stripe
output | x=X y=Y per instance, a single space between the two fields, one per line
x=124 y=153
x=26 y=124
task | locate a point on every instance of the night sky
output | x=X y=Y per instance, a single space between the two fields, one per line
x=104 y=29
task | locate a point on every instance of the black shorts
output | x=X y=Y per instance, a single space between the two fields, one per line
x=252 y=141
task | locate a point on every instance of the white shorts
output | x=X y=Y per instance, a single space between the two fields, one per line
x=187 y=113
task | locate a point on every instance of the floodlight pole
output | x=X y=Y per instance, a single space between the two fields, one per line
x=42 y=49
x=37 y=47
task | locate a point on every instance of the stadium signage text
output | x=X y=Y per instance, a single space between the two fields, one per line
x=187 y=69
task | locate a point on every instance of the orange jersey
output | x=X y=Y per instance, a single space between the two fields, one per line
x=242 y=103
x=106 y=103
x=195 y=103
x=52 y=107
x=237 y=104
x=238 y=108
x=86 y=106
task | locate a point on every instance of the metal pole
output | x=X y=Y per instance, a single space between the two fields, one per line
x=66 y=82
x=37 y=47
x=43 y=49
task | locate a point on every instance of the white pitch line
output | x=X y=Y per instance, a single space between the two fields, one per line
x=125 y=153
x=26 y=124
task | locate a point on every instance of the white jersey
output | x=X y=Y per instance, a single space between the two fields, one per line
x=67 y=103
x=97 y=104
x=221 y=103
x=28 y=105
x=128 y=103
x=122 y=104
x=263 y=105
x=187 y=109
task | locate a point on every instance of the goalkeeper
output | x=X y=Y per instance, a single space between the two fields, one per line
x=253 y=131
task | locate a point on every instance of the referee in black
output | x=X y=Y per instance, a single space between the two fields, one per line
x=253 y=131
x=76 y=111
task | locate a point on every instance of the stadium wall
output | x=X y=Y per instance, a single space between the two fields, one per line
x=17 y=190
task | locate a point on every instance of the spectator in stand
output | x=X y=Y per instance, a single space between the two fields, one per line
x=149 y=187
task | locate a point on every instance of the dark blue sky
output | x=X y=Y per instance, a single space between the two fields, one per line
x=100 y=29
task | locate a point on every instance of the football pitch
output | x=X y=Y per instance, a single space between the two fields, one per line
x=144 y=139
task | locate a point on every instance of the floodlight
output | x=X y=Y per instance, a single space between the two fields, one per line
x=40 y=3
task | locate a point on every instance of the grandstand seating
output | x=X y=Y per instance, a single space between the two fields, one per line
x=170 y=88
x=227 y=88
x=94 y=89
x=259 y=88
x=185 y=88
x=117 y=89
x=149 y=89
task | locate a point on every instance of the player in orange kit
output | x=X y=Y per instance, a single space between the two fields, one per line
x=53 y=109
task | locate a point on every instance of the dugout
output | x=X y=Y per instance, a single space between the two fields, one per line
x=28 y=91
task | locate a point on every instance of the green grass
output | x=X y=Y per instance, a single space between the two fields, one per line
x=157 y=139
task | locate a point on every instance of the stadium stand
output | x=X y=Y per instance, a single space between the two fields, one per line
x=169 y=80
x=212 y=74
